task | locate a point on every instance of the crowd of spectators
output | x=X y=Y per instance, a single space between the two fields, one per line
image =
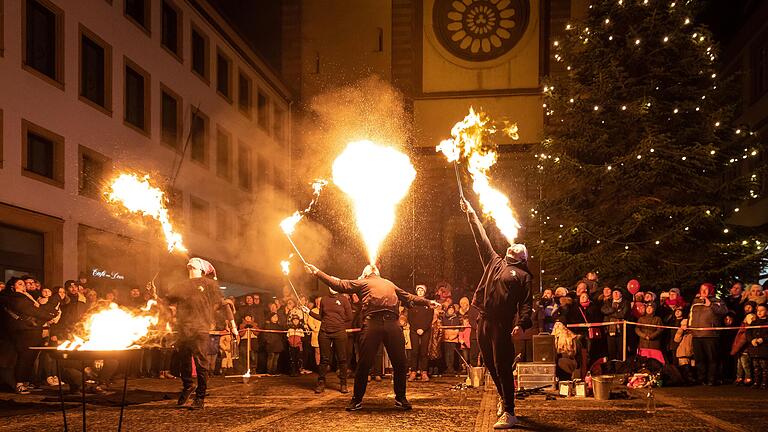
x=663 y=329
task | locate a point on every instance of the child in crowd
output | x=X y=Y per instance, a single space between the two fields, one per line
x=407 y=334
x=465 y=338
x=684 y=352
x=450 y=338
x=739 y=351
x=273 y=342
x=758 y=347
x=295 y=343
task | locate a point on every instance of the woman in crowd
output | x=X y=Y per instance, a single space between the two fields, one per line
x=588 y=313
x=274 y=343
x=23 y=321
x=614 y=309
x=684 y=352
x=649 y=344
x=420 y=320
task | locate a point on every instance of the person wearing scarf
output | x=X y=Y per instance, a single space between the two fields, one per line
x=504 y=300
x=614 y=309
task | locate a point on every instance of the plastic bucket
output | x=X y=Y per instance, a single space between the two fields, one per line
x=475 y=375
x=601 y=386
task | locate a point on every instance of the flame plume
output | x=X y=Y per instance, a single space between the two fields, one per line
x=113 y=328
x=285 y=265
x=139 y=196
x=375 y=178
x=472 y=143
x=288 y=225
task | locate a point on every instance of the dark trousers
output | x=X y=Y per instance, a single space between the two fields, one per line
x=705 y=353
x=375 y=332
x=331 y=343
x=499 y=353
x=474 y=352
x=295 y=354
x=244 y=353
x=272 y=358
x=449 y=351
x=194 y=347
x=25 y=357
x=419 y=347
x=614 y=347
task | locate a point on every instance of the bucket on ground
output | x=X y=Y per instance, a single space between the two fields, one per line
x=602 y=385
x=475 y=375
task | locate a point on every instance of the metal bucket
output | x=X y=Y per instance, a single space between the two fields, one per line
x=602 y=385
x=475 y=375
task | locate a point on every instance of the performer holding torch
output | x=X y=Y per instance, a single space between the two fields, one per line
x=380 y=298
x=504 y=291
x=197 y=301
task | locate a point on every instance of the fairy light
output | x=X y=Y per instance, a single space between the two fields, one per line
x=637 y=41
x=666 y=38
x=623 y=107
x=596 y=108
x=726 y=231
x=657 y=242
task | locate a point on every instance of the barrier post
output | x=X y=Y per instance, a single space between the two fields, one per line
x=248 y=347
x=624 y=342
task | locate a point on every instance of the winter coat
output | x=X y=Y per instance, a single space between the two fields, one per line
x=740 y=342
x=761 y=350
x=451 y=335
x=435 y=350
x=545 y=311
x=21 y=313
x=706 y=316
x=420 y=317
x=613 y=312
x=650 y=337
x=314 y=325
x=684 y=340
x=274 y=342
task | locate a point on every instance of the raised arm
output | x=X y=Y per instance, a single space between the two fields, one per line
x=407 y=297
x=525 y=308
x=484 y=247
x=339 y=285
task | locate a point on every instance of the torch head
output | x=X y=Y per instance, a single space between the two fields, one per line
x=517 y=253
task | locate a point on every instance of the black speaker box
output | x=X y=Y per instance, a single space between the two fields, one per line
x=544 y=348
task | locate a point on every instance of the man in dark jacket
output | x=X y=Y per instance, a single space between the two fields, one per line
x=380 y=300
x=420 y=320
x=503 y=293
x=706 y=311
x=197 y=301
x=335 y=317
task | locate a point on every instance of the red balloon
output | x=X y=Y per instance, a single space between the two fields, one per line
x=633 y=286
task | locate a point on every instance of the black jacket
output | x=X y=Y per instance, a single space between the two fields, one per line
x=20 y=313
x=197 y=302
x=335 y=313
x=504 y=290
x=376 y=293
x=420 y=317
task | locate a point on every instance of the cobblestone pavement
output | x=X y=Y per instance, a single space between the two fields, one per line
x=289 y=404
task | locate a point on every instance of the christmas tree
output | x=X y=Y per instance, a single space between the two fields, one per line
x=639 y=167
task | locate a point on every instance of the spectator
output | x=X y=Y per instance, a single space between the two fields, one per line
x=546 y=310
x=588 y=313
x=673 y=320
x=614 y=309
x=739 y=351
x=593 y=287
x=23 y=320
x=295 y=344
x=406 y=335
x=565 y=310
x=335 y=316
x=735 y=300
x=135 y=300
x=638 y=305
x=465 y=311
x=274 y=342
x=706 y=311
x=758 y=347
x=420 y=320
x=650 y=337
x=674 y=301
x=684 y=352
x=465 y=338
x=314 y=325
x=450 y=339
x=245 y=309
x=443 y=292
x=248 y=356
x=756 y=294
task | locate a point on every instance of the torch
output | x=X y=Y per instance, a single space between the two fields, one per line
x=458 y=178
x=286 y=266
x=288 y=225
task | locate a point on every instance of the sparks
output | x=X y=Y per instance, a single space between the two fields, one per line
x=288 y=225
x=471 y=142
x=139 y=196
x=375 y=178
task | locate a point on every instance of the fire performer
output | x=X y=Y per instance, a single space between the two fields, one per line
x=380 y=298
x=197 y=301
x=504 y=291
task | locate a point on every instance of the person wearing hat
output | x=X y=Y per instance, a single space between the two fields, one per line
x=504 y=300
x=197 y=300
x=380 y=311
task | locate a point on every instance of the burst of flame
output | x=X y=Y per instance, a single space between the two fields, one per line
x=286 y=267
x=113 y=328
x=288 y=225
x=376 y=178
x=472 y=143
x=139 y=196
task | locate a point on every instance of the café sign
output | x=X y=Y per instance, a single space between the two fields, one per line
x=104 y=274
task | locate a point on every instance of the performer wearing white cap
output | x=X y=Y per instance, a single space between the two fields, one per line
x=502 y=297
x=197 y=301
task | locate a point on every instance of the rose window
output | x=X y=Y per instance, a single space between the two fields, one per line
x=479 y=30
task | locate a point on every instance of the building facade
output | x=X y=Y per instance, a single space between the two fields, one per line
x=166 y=88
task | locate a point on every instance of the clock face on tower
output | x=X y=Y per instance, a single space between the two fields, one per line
x=479 y=30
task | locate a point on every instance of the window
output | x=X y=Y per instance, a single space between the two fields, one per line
x=244 y=94
x=223 y=154
x=94 y=168
x=170 y=117
x=278 y=124
x=263 y=172
x=95 y=71
x=263 y=111
x=42 y=154
x=199 y=138
x=44 y=40
x=244 y=162
x=138 y=12
x=223 y=225
x=200 y=55
x=223 y=75
x=199 y=210
x=176 y=206
x=136 y=97
x=171 y=29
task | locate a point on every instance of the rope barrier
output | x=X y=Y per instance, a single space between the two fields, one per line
x=622 y=322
